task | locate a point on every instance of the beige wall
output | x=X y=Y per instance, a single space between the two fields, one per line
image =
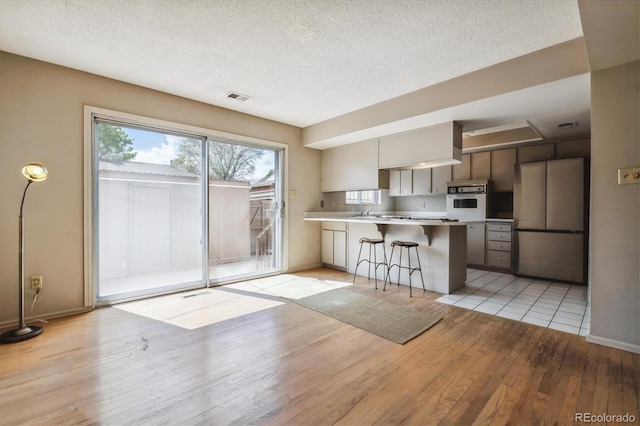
x=615 y=209
x=41 y=119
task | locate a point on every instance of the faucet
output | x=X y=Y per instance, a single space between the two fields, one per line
x=368 y=211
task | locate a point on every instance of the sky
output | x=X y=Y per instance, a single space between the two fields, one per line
x=160 y=148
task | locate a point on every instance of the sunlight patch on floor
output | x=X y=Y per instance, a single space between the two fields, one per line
x=202 y=307
x=293 y=287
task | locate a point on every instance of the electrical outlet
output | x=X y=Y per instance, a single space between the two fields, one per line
x=36 y=282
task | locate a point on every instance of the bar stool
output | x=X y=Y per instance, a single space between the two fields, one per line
x=372 y=243
x=408 y=245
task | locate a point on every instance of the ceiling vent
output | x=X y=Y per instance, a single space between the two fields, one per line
x=238 y=96
x=503 y=136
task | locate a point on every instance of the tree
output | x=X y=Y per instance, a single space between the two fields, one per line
x=114 y=144
x=268 y=176
x=226 y=161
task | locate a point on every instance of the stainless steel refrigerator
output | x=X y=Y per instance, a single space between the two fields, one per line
x=549 y=219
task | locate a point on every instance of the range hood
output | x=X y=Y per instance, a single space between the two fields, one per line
x=432 y=146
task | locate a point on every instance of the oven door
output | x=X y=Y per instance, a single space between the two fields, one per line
x=467 y=207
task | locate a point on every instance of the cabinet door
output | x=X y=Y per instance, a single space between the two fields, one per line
x=406 y=182
x=353 y=167
x=527 y=154
x=422 y=182
x=502 y=162
x=529 y=195
x=573 y=148
x=340 y=248
x=499 y=259
x=439 y=178
x=475 y=244
x=327 y=246
x=481 y=165
x=462 y=171
x=394 y=183
x=565 y=194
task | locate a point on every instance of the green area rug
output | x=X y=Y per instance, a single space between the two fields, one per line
x=388 y=320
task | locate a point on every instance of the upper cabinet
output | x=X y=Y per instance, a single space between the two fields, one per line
x=462 y=171
x=421 y=181
x=410 y=182
x=573 y=148
x=528 y=154
x=353 y=167
x=473 y=166
x=428 y=146
x=439 y=178
x=502 y=162
x=481 y=165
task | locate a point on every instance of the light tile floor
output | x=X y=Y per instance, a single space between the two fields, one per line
x=547 y=304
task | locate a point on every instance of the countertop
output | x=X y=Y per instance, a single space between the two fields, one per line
x=401 y=218
x=380 y=220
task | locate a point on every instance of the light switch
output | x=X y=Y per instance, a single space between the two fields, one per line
x=292 y=194
x=626 y=176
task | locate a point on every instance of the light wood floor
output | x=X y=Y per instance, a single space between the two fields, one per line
x=291 y=365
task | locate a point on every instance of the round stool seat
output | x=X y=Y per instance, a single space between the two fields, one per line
x=404 y=243
x=374 y=243
x=371 y=240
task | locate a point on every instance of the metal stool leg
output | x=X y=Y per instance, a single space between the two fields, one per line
x=357 y=264
x=369 y=263
x=410 y=271
x=389 y=265
x=420 y=269
x=400 y=267
x=375 y=266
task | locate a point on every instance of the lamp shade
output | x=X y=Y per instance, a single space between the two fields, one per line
x=35 y=172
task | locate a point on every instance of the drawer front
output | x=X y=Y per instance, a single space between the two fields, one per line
x=499 y=236
x=499 y=245
x=500 y=227
x=335 y=226
x=499 y=259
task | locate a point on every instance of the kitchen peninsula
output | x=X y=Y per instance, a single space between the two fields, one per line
x=442 y=250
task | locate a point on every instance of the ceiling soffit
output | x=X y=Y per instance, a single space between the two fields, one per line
x=418 y=108
x=611 y=32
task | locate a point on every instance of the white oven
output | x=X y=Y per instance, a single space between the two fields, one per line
x=467 y=200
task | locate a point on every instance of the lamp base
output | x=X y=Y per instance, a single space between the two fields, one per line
x=20 y=334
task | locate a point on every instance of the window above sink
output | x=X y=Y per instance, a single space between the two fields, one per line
x=363 y=197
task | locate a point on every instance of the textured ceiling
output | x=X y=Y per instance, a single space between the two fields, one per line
x=301 y=61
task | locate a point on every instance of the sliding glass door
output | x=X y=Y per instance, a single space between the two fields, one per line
x=243 y=218
x=177 y=211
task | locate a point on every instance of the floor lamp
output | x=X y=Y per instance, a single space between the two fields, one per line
x=34 y=172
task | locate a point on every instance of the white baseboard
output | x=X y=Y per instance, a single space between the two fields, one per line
x=48 y=316
x=303 y=268
x=629 y=347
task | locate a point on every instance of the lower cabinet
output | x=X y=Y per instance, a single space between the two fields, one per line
x=475 y=244
x=489 y=245
x=334 y=244
x=499 y=244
